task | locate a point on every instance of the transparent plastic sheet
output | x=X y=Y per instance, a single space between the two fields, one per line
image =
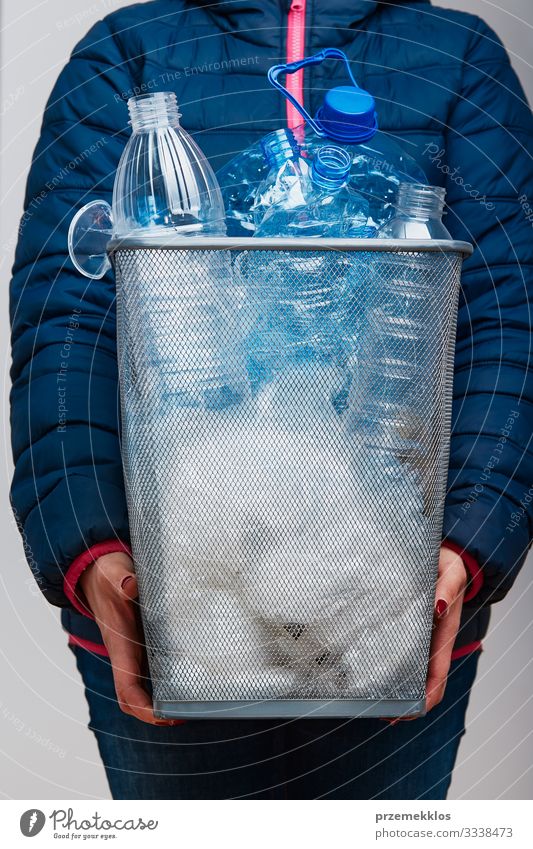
x=286 y=420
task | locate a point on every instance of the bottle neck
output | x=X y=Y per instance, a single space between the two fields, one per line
x=280 y=146
x=153 y=111
x=331 y=167
x=421 y=202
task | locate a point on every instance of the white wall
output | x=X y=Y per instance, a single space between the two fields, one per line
x=48 y=751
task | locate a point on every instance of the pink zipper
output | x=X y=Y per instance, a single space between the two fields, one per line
x=295 y=52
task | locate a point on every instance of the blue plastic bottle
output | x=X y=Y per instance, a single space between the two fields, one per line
x=347 y=118
x=303 y=293
x=287 y=174
x=313 y=202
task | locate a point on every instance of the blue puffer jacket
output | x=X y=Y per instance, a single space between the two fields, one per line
x=444 y=88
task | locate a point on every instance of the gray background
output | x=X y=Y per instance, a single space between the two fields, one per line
x=47 y=750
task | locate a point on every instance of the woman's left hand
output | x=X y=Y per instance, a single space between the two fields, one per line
x=451 y=585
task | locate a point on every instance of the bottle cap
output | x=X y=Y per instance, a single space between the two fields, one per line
x=348 y=114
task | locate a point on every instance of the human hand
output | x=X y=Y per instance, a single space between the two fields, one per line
x=451 y=584
x=111 y=591
x=449 y=593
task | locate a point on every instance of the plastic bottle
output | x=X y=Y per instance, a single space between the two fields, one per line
x=314 y=201
x=238 y=182
x=418 y=215
x=346 y=117
x=163 y=180
x=287 y=173
x=163 y=185
x=308 y=289
x=396 y=358
x=184 y=328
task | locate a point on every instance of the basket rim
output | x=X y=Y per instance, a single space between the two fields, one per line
x=289 y=708
x=191 y=243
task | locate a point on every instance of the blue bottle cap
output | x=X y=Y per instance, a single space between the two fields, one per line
x=348 y=114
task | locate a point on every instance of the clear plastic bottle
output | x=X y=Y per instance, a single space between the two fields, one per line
x=378 y=167
x=163 y=185
x=238 y=182
x=315 y=201
x=302 y=292
x=419 y=214
x=241 y=178
x=286 y=177
x=163 y=179
x=187 y=326
x=396 y=353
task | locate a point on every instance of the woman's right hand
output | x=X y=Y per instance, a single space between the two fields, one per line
x=111 y=592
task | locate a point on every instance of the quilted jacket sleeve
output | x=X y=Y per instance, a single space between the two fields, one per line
x=489 y=510
x=67 y=491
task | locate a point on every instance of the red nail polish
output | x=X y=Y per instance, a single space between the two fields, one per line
x=441 y=607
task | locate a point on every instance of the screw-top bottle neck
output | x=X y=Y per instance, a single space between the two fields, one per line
x=280 y=146
x=419 y=201
x=331 y=167
x=155 y=110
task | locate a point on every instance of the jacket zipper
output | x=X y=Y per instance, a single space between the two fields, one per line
x=295 y=52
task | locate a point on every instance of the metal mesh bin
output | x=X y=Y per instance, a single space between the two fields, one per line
x=285 y=434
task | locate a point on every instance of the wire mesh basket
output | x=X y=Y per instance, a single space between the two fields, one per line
x=286 y=414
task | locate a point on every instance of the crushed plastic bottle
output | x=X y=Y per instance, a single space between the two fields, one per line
x=315 y=202
x=288 y=171
x=238 y=182
x=347 y=118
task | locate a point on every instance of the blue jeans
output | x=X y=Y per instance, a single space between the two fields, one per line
x=277 y=759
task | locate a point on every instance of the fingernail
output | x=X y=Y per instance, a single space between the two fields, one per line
x=441 y=608
x=125 y=580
